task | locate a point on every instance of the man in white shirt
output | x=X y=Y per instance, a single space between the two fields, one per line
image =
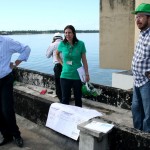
x=51 y=51
x=8 y=127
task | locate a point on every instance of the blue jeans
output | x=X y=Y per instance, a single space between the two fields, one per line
x=141 y=107
x=66 y=86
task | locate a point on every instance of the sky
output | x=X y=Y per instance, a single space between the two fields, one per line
x=49 y=14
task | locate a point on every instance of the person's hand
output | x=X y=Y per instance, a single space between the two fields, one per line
x=147 y=74
x=87 y=78
x=12 y=65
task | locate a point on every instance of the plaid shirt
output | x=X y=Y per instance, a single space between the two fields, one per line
x=141 y=59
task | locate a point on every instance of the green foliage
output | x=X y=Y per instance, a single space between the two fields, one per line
x=43 y=32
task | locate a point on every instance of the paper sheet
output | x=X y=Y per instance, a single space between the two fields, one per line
x=98 y=126
x=81 y=72
x=65 y=118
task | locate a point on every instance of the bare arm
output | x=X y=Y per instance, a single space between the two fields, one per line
x=58 y=57
x=85 y=65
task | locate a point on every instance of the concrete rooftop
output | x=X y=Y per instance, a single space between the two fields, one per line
x=35 y=137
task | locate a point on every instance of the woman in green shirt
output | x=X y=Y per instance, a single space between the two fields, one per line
x=73 y=51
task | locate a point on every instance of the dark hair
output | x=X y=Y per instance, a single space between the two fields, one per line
x=74 y=33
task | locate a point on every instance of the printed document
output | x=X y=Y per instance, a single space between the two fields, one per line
x=81 y=72
x=65 y=118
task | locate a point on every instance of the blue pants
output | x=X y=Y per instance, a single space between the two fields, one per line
x=66 y=86
x=8 y=126
x=141 y=107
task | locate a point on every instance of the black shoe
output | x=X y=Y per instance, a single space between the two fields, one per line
x=18 y=141
x=5 y=141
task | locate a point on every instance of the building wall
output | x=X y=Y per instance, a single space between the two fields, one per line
x=116 y=33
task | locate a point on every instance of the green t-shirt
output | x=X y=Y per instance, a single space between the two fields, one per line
x=71 y=56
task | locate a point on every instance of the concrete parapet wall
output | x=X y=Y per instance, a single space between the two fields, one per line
x=34 y=78
x=121 y=138
x=35 y=107
x=126 y=138
x=31 y=107
x=110 y=95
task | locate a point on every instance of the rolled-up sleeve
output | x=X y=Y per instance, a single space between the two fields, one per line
x=50 y=50
x=24 y=53
x=17 y=47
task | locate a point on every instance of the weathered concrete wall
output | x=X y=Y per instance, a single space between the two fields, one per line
x=35 y=108
x=32 y=107
x=116 y=33
x=121 y=137
x=34 y=78
x=112 y=96
x=124 y=138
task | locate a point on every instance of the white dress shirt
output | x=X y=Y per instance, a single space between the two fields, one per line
x=51 y=51
x=7 y=48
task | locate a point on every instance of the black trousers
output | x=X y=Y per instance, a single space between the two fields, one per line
x=67 y=85
x=57 y=73
x=8 y=126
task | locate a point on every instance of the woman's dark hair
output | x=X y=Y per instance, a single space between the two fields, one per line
x=74 y=33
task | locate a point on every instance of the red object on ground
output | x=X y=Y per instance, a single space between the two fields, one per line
x=43 y=92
